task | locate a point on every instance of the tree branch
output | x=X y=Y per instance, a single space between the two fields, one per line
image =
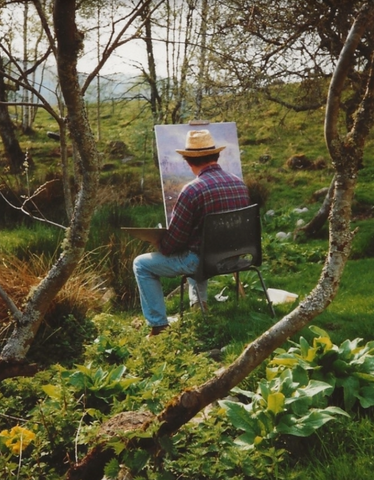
x=15 y=312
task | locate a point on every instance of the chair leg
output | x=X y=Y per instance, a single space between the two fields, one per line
x=265 y=290
x=237 y=283
x=239 y=287
x=200 y=303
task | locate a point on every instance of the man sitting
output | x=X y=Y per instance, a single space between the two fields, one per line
x=213 y=190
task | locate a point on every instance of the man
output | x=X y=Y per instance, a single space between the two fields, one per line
x=213 y=190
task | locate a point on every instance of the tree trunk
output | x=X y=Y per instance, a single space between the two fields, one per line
x=13 y=151
x=28 y=321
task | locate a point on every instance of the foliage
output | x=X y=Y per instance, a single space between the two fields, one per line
x=289 y=404
x=348 y=368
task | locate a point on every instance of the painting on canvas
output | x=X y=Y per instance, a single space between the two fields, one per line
x=174 y=170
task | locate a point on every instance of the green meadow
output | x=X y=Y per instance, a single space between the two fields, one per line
x=307 y=413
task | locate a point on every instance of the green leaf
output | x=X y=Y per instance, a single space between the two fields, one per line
x=299 y=405
x=276 y=402
x=351 y=389
x=116 y=374
x=348 y=348
x=112 y=469
x=366 y=396
x=300 y=376
x=52 y=391
x=318 y=331
x=304 y=426
x=247 y=440
x=239 y=417
x=304 y=347
x=316 y=387
x=286 y=360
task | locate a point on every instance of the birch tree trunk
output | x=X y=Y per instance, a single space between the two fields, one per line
x=346 y=154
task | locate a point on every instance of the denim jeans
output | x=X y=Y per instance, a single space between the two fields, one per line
x=149 y=267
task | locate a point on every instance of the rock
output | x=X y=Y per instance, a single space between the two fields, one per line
x=283 y=236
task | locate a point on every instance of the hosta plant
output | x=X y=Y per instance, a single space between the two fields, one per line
x=348 y=368
x=287 y=404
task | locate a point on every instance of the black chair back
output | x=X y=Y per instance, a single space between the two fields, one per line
x=227 y=237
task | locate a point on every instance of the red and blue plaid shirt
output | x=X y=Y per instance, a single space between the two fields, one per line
x=213 y=190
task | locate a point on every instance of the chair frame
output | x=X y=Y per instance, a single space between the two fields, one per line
x=223 y=254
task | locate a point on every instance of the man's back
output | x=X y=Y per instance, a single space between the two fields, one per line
x=214 y=190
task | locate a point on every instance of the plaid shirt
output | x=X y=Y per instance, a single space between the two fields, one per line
x=212 y=191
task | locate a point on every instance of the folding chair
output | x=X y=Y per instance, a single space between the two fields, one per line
x=231 y=243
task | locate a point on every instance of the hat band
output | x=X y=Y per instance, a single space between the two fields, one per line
x=200 y=149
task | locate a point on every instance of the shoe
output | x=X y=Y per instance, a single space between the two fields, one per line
x=157 y=330
x=196 y=306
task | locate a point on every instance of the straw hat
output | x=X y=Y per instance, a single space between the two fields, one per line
x=199 y=143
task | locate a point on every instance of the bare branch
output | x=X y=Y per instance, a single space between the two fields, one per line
x=22 y=208
x=118 y=41
x=16 y=313
x=340 y=75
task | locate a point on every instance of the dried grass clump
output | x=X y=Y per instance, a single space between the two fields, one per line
x=82 y=293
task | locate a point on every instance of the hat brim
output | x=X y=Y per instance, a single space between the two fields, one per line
x=200 y=153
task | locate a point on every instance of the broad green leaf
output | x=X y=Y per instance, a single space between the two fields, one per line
x=304 y=347
x=299 y=405
x=318 y=331
x=304 y=426
x=348 y=347
x=316 y=387
x=240 y=417
x=366 y=396
x=325 y=341
x=78 y=380
x=126 y=382
x=366 y=363
x=336 y=411
x=265 y=389
x=271 y=373
x=265 y=423
x=286 y=360
x=276 y=402
x=341 y=367
x=247 y=440
x=368 y=377
x=245 y=393
x=52 y=391
x=116 y=374
x=300 y=376
x=351 y=387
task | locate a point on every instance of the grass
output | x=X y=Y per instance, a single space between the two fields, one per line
x=86 y=328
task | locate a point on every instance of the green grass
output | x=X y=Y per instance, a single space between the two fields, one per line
x=114 y=333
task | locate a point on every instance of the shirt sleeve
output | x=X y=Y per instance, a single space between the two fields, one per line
x=181 y=224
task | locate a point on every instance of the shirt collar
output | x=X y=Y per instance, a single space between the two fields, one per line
x=214 y=166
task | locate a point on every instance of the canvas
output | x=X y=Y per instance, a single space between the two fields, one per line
x=174 y=170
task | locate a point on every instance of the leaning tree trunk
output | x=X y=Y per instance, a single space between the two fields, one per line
x=346 y=155
x=29 y=319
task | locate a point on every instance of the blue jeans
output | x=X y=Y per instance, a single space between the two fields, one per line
x=149 y=267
